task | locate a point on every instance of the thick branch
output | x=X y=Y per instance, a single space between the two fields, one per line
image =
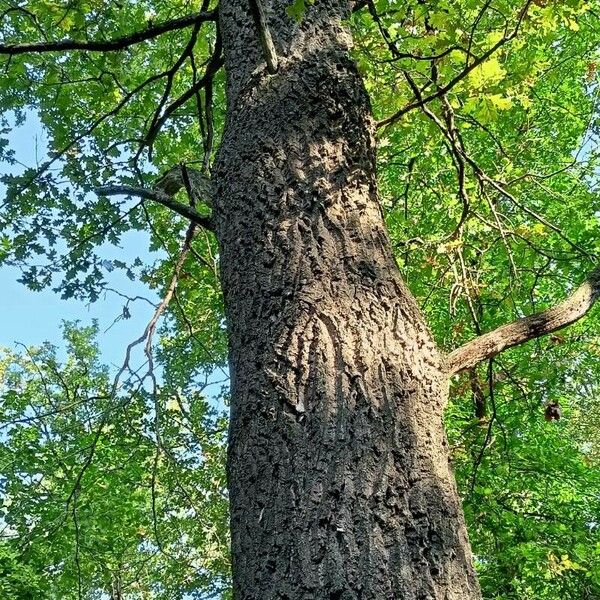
x=528 y=328
x=108 y=45
x=157 y=196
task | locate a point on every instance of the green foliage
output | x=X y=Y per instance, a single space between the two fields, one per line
x=18 y=580
x=297 y=9
x=531 y=490
x=488 y=161
x=102 y=491
x=517 y=232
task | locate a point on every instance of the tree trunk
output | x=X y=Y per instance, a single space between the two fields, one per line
x=339 y=479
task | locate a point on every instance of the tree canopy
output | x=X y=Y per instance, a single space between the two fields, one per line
x=112 y=481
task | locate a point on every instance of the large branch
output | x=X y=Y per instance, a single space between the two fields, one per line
x=109 y=45
x=157 y=196
x=527 y=328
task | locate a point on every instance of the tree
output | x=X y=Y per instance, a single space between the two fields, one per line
x=339 y=481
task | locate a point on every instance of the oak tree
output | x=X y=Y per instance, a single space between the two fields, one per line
x=386 y=194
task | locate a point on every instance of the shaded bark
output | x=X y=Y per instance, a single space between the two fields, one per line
x=338 y=469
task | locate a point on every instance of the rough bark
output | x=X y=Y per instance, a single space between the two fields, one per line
x=338 y=469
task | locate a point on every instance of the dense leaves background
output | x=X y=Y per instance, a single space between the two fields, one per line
x=112 y=481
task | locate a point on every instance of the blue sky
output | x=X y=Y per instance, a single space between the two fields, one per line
x=32 y=318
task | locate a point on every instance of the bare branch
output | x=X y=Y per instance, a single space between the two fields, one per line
x=188 y=52
x=266 y=41
x=108 y=45
x=157 y=196
x=214 y=64
x=528 y=328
